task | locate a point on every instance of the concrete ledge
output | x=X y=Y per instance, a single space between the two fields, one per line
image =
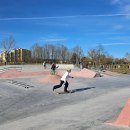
x=65 y=66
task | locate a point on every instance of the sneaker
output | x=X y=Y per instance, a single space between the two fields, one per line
x=66 y=91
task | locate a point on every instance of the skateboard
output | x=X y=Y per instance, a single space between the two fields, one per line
x=64 y=92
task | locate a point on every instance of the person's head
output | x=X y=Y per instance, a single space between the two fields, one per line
x=69 y=70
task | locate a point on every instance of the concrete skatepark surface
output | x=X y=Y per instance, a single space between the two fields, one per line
x=94 y=101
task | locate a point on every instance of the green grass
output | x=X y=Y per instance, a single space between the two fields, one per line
x=121 y=70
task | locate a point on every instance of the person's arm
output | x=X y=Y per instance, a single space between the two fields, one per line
x=70 y=76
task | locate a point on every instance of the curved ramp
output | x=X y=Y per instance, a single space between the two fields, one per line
x=124 y=117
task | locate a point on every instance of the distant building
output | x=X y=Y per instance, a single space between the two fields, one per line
x=16 y=56
x=3 y=56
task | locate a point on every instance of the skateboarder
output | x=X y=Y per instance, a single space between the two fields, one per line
x=64 y=80
x=53 y=68
x=44 y=64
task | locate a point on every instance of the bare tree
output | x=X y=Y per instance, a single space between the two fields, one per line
x=92 y=54
x=127 y=55
x=57 y=52
x=64 y=51
x=37 y=52
x=7 y=45
x=52 y=51
x=97 y=55
x=46 y=51
x=78 y=53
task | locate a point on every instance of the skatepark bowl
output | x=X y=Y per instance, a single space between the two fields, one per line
x=27 y=101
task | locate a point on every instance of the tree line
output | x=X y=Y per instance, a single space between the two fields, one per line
x=62 y=54
x=56 y=53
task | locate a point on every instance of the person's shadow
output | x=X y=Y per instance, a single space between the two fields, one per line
x=81 y=89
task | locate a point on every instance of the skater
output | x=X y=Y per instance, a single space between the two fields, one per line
x=53 y=68
x=5 y=63
x=44 y=64
x=64 y=80
x=80 y=65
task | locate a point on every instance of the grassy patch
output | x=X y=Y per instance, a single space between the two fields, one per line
x=121 y=70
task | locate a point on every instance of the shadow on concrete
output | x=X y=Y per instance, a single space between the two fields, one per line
x=81 y=89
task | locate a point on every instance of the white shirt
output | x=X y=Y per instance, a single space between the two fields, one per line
x=65 y=76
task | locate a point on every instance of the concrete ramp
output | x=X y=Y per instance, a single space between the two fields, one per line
x=124 y=117
x=85 y=73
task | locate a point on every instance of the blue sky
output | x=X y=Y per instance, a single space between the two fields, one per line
x=86 y=23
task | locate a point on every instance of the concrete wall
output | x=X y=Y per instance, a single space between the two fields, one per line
x=65 y=66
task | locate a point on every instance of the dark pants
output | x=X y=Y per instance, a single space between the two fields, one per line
x=53 y=72
x=60 y=85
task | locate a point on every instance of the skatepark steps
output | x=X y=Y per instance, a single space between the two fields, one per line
x=22 y=84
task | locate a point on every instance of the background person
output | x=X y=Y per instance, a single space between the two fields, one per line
x=53 y=68
x=44 y=64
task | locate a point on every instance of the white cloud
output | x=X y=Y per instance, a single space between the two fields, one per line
x=118 y=27
x=54 y=40
x=5 y=33
x=51 y=38
x=127 y=8
x=123 y=6
x=115 y=44
x=62 y=17
x=120 y=2
x=51 y=23
x=115 y=1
